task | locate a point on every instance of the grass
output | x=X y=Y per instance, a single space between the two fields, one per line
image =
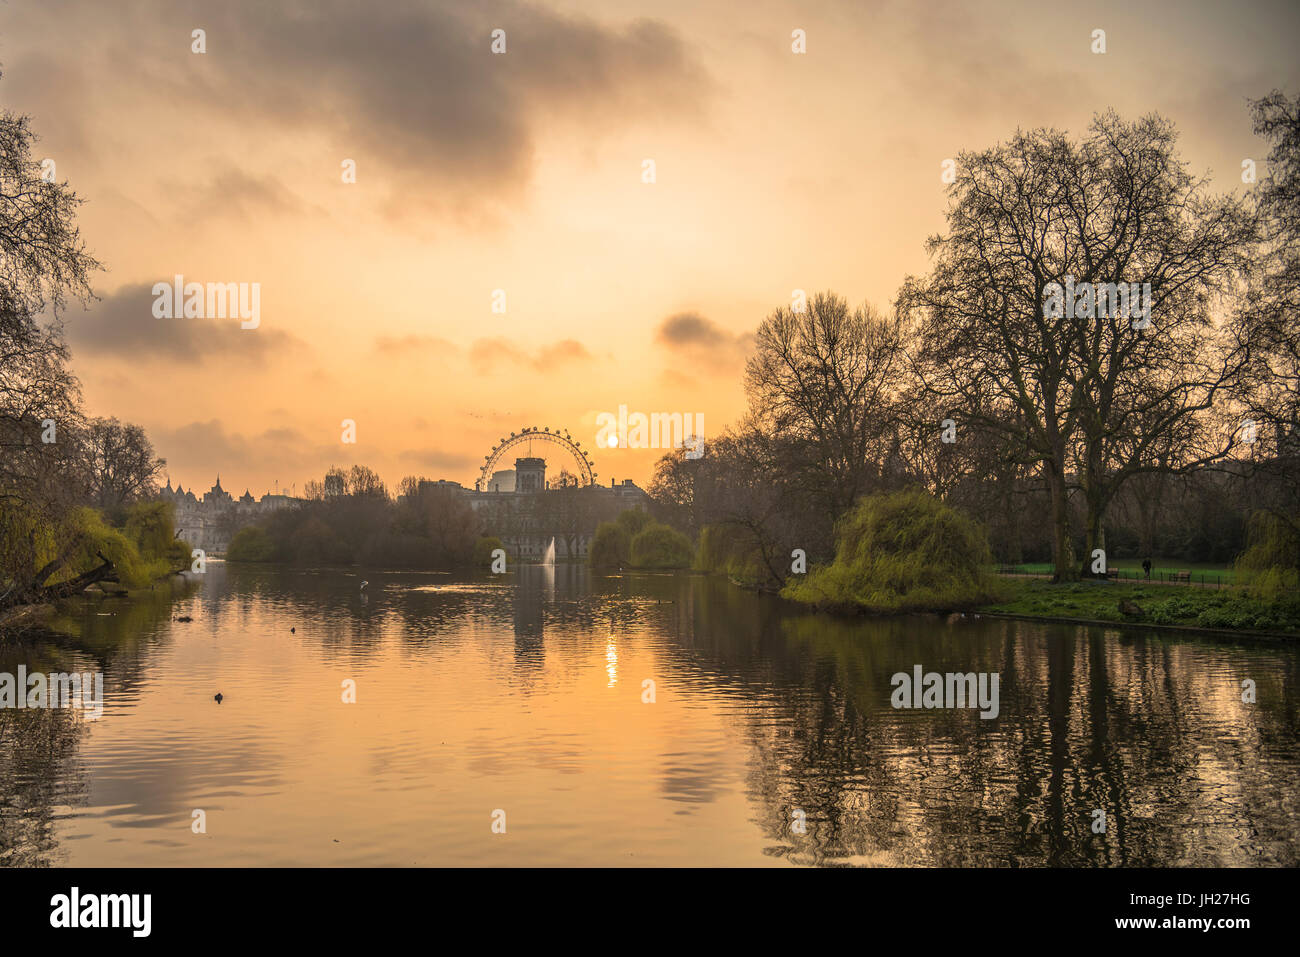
x=1227 y=608
x=1209 y=573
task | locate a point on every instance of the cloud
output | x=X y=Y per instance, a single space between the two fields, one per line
x=122 y=324
x=433 y=458
x=240 y=195
x=694 y=336
x=204 y=448
x=689 y=328
x=409 y=88
x=405 y=345
x=486 y=354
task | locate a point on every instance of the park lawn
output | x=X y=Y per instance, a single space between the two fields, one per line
x=1226 y=608
x=1210 y=572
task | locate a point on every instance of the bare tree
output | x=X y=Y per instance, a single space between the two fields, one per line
x=119 y=463
x=1088 y=386
x=824 y=385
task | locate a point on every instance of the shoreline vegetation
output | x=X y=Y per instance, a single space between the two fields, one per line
x=121 y=555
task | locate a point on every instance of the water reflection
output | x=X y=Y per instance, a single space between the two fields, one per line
x=524 y=691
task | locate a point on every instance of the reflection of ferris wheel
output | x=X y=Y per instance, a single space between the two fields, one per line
x=534 y=434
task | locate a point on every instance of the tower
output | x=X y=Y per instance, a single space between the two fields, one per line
x=530 y=474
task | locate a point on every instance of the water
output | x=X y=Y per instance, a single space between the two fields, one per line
x=523 y=694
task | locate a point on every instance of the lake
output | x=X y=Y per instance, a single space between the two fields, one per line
x=507 y=720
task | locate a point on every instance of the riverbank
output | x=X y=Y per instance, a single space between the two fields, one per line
x=1209 y=611
x=21 y=617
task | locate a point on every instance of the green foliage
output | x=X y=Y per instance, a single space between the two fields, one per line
x=483 y=549
x=633 y=520
x=658 y=546
x=27 y=541
x=251 y=544
x=1270 y=565
x=152 y=526
x=611 y=546
x=904 y=551
x=90 y=536
x=142 y=552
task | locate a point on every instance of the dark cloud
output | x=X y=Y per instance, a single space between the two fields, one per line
x=690 y=328
x=123 y=324
x=691 y=334
x=408 y=88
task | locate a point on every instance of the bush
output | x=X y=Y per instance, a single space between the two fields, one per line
x=151 y=526
x=905 y=551
x=483 y=549
x=611 y=546
x=658 y=546
x=91 y=537
x=1269 y=568
x=251 y=544
x=633 y=520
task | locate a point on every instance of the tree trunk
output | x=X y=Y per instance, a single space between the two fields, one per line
x=38 y=594
x=1062 y=547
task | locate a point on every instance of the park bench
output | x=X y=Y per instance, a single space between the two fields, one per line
x=1182 y=577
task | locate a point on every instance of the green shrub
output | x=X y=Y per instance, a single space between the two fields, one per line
x=91 y=537
x=483 y=549
x=633 y=520
x=151 y=525
x=658 y=546
x=611 y=546
x=1269 y=568
x=905 y=551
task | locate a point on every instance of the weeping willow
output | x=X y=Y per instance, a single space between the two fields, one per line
x=1269 y=568
x=900 y=552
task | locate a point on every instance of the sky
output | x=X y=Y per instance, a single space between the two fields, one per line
x=524 y=172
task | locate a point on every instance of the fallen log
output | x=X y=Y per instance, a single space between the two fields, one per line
x=101 y=573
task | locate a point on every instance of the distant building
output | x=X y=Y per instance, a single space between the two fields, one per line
x=527 y=512
x=209 y=523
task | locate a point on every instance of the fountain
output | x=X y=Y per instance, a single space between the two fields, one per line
x=549 y=558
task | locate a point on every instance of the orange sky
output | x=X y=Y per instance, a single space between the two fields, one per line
x=523 y=172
